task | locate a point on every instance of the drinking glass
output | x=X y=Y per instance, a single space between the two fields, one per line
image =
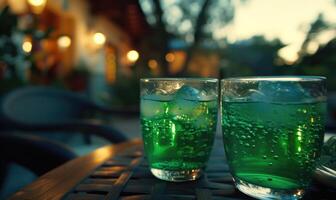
x=273 y=129
x=178 y=123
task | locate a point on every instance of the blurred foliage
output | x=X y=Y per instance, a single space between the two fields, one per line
x=185 y=18
x=8 y=49
x=17 y=67
x=10 y=53
x=318 y=26
x=193 y=22
x=258 y=56
x=13 y=60
x=254 y=56
x=323 y=61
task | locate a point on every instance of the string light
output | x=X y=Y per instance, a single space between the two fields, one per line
x=152 y=64
x=133 y=55
x=37 y=5
x=99 y=38
x=64 y=41
x=27 y=46
x=170 y=57
x=37 y=2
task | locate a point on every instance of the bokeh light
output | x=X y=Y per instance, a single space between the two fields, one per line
x=170 y=57
x=99 y=38
x=37 y=5
x=133 y=55
x=152 y=64
x=64 y=41
x=37 y=2
x=27 y=46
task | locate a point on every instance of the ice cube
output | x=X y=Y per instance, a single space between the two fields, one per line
x=282 y=92
x=208 y=96
x=154 y=105
x=158 y=97
x=188 y=93
x=256 y=95
x=180 y=106
x=185 y=102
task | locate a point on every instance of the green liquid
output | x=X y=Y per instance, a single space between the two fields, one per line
x=178 y=137
x=273 y=145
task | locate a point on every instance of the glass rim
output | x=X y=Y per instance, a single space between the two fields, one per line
x=213 y=80
x=276 y=79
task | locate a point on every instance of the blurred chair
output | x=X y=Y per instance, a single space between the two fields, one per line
x=38 y=154
x=53 y=110
x=34 y=153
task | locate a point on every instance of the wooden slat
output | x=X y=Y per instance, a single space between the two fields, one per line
x=100 y=181
x=56 y=183
x=157 y=190
x=122 y=181
x=203 y=194
x=117 y=188
x=94 y=188
x=85 y=197
x=134 y=197
x=121 y=172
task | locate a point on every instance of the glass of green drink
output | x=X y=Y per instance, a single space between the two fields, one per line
x=273 y=129
x=178 y=123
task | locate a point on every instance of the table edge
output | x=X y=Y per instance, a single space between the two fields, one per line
x=58 y=182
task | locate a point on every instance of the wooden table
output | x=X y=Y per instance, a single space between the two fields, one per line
x=121 y=172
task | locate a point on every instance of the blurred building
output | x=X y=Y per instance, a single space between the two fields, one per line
x=99 y=33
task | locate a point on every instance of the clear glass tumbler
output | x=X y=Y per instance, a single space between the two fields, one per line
x=178 y=123
x=273 y=129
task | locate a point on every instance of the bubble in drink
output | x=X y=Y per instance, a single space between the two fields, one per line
x=178 y=133
x=287 y=138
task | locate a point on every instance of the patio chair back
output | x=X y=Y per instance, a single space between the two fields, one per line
x=48 y=109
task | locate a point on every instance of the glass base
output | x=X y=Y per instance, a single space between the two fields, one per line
x=177 y=176
x=267 y=193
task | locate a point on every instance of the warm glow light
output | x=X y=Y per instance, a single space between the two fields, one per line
x=99 y=38
x=18 y=6
x=36 y=2
x=110 y=65
x=152 y=64
x=133 y=55
x=37 y=5
x=170 y=57
x=179 y=60
x=27 y=46
x=64 y=41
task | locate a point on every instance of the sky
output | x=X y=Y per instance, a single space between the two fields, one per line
x=287 y=20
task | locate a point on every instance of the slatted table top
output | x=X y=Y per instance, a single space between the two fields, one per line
x=122 y=172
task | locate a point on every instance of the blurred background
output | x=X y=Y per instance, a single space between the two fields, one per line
x=101 y=48
x=98 y=49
